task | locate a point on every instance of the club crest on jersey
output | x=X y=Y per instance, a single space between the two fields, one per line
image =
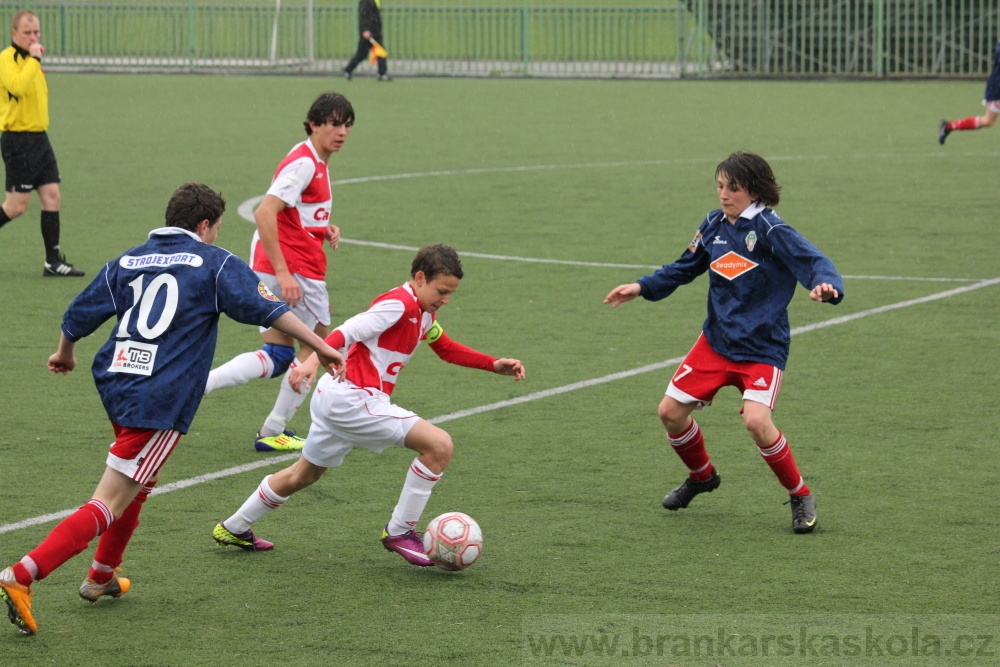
x=695 y=241
x=732 y=265
x=266 y=293
x=134 y=358
x=751 y=241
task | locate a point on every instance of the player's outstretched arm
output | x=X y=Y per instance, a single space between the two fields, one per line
x=509 y=367
x=63 y=361
x=823 y=292
x=623 y=293
x=332 y=360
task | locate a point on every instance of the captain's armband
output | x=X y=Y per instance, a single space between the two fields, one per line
x=435 y=332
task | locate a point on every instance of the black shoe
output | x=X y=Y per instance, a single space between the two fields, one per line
x=803 y=513
x=384 y=77
x=347 y=73
x=683 y=494
x=943 y=132
x=61 y=268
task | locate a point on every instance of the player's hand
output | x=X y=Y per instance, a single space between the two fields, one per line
x=332 y=360
x=301 y=377
x=36 y=50
x=823 y=292
x=291 y=292
x=60 y=363
x=333 y=236
x=623 y=293
x=509 y=367
x=367 y=34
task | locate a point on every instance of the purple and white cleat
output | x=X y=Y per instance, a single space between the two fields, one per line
x=409 y=545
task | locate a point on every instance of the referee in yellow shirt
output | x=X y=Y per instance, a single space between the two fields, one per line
x=27 y=153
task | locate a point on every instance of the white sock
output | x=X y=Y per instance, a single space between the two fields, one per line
x=255 y=508
x=413 y=499
x=29 y=564
x=285 y=407
x=240 y=370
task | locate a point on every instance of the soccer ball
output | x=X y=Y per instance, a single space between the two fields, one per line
x=453 y=541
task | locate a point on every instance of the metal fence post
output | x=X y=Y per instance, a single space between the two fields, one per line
x=191 y=33
x=879 y=54
x=702 y=22
x=524 y=37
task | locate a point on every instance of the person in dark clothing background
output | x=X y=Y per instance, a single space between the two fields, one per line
x=370 y=28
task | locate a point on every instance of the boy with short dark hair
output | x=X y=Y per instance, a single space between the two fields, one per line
x=167 y=295
x=358 y=412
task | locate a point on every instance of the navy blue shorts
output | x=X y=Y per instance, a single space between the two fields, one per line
x=29 y=159
x=992 y=93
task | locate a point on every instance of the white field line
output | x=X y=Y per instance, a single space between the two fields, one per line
x=641 y=267
x=245 y=210
x=538 y=395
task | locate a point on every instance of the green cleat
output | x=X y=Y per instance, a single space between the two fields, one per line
x=283 y=442
x=246 y=541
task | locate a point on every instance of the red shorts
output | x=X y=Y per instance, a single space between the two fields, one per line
x=139 y=453
x=704 y=372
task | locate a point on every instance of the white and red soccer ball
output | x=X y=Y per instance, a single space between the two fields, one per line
x=453 y=541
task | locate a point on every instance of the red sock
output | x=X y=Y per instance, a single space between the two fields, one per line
x=111 y=547
x=690 y=446
x=70 y=537
x=970 y=123
x=779 y=456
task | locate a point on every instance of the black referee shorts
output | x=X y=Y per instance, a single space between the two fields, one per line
x=29 y=159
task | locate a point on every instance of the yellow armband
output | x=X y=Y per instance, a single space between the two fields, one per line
x=434 y=332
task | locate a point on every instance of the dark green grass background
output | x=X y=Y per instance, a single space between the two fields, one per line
x=892 y=417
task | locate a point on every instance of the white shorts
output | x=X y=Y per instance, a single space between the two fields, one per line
x=314 y=306
x=346 y=416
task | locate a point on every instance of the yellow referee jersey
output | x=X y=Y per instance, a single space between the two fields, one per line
x=24 y=95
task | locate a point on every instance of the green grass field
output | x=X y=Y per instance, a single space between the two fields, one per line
x=892 y=415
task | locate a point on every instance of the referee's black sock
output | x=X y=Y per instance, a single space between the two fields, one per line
x=50 y=234
x=4 y=218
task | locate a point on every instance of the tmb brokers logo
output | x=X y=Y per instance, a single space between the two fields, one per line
x=132 y=357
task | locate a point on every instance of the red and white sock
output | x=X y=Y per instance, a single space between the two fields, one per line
x=67 y=539
x=778 y=456
x=262 y=502
x=111 y=547
x=690 y=446
x=970 y=123
x=413 y=499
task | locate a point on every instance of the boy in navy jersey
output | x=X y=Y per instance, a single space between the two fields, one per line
x=754 y=260
x=166 y=295
x=991 y=100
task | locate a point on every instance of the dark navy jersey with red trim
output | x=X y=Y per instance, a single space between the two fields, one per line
x=753 y=266
x=166 y=296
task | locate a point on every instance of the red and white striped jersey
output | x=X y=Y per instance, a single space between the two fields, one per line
x=382 y=339
x=302 y=182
